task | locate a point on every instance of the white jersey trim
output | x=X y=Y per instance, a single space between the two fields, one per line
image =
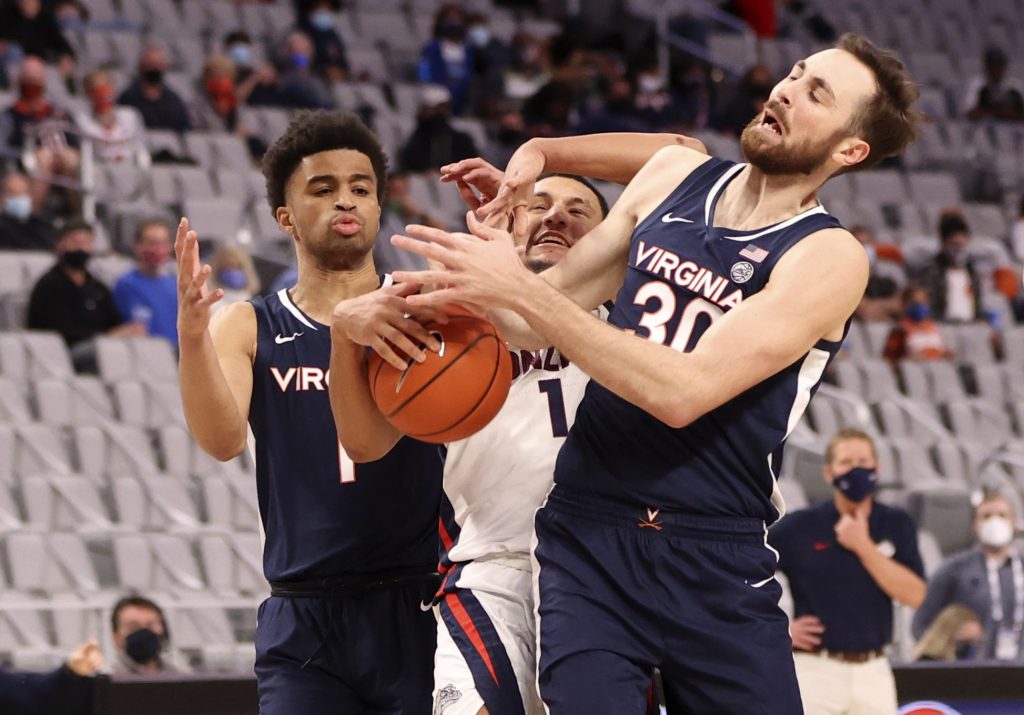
x=716 y=189
x=286 y=301
x=810 y=375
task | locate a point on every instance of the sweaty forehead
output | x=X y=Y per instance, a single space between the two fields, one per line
x=561 y=188
x=338 y=163
x=850 y=79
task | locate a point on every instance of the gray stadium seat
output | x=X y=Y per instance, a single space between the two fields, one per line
x=914 y=379
x=155 y=563
x=148 y=404
x=944 y=512
x=931 y=552
x=217 y=218
x=154 y=503
x=73 y=401
x=50 y=563
x=27 y=355
x=952 y=463
x=231 y=565
x=38 y=449
x=14 y=406
x=231 y=502
x=884 y=186
x=10 y=516
x=114 y=449
x=64 y=504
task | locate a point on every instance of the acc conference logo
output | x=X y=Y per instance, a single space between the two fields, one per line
x=927 y=708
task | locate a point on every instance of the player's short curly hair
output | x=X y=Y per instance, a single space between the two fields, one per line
x=311 y=132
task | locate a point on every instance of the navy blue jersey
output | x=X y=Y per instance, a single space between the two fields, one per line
x=323 y=515
x=829 y=582
x=684 y=273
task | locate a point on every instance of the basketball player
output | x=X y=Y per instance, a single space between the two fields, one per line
x=350 y=550
x=735 y=288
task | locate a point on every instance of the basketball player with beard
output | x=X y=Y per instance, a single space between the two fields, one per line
x=734 y=289
x=350 y=550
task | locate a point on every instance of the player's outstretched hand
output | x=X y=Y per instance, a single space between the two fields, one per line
x=194 y=298
x=478 y=181
x=385 y=321
x=86 y=659
x=806 y=632
x=517 y=185
x=482 y=273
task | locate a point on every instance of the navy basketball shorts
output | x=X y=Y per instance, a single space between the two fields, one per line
x=373 y=654
x=623 y=590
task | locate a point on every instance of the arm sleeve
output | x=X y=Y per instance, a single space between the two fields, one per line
x=907 y=552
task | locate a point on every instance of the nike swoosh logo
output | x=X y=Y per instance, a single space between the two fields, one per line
x=669 y=218
x=426 y=606
x=281 y=340
x=759 y=584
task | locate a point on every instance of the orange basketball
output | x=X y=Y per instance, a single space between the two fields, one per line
x=455 y=392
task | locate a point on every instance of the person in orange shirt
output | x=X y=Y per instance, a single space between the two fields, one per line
x=916 y=336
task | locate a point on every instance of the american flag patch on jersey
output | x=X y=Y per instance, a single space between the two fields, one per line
x=754 y=253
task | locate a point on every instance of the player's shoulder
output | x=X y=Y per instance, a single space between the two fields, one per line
x=234 y=326
x=679 y=157
x=832 y=249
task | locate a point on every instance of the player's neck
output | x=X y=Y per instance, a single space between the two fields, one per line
x=850 y=508
x=318 y=290
x=754 y=199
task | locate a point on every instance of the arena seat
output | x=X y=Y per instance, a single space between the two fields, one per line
x=73 y=401
x=61 y=503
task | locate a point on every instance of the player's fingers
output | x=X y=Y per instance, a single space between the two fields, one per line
x=212 y=298
x=468 y=195
x=425 y=315
x=179 y=238
x=412 y=328
x=437 y=298
x=426 y=278
x=481 y=229
x=389 y=356
x=520 y=224
x=197 y=284
x=430 y=251
x=402 y=342
x=402 y=289
x=448 y=239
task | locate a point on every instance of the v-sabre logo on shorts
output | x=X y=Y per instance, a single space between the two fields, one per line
x=446 y=696
x=650 y=522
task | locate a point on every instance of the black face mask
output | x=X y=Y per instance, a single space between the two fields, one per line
x=153 y=76
x=142 y=646
x=76 y=259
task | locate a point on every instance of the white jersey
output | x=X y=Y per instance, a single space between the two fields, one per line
x=496 y=479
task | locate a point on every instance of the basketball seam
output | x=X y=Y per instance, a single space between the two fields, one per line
x=439 y=373
x=471 y=410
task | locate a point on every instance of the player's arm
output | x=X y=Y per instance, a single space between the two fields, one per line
x=215 y=363
x=384 y=321
x=589 y=274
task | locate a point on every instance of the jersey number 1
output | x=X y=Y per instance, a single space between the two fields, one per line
x=556 y=406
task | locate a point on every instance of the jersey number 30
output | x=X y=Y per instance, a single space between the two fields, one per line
x=656 y=320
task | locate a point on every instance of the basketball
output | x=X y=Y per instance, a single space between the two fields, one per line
x=455 y=392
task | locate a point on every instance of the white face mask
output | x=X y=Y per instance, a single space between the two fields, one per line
x=996 y=532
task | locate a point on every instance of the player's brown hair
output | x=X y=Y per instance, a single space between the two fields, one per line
x=887 y=121
x=847 y=434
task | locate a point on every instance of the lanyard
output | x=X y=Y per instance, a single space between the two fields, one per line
x=996 y=591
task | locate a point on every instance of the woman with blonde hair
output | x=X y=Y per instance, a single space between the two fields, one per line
x=953 y=635
x=235 y=273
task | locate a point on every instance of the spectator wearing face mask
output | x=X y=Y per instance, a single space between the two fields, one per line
x=953 y=636
x=952 y=279
x=148 y=294
x=117 y=133
x=916 y=336
x=658 y=105
x=69 y=300
x=435 y=142
x=20 y=228
x=256 y=81
x=141 y=637
x=447 y=59
x=297 y=86
x=159 y=105
x=491 y=61
x=234 y=273
x=987 y=578
x=847 y=559
x=216 y=108
x=34 y=123
x=33 y=26
x=329 y=60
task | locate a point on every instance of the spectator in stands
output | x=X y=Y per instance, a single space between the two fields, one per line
x=447 y=59
x=148 y=294
x=216 y=105
x=491 y=60
x=20 y=228
x=140 y=635
x=329 y=60
x=971 y=577
x=951 y=278
x=527 y=69
x=117 y=133
x=296 y=86
x=877 y=251
x=71 y=15
x=994 y=95
x=616 y=114
x=33 y=122
x=747 y=101
x=916 y=336
x=33 y=26
x=69 y=300
x=657 y=105
x=235 y=274
x=552 y=108
x=67 y=690
x=399 y=210
x=435 y=142
x=847 y=559
x=256 y=82
x=954 y=635
x=160 y=106
x=881 y=300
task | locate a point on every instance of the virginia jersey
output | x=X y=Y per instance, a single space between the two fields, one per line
x=323 y=515
x=683 y=274
x=496 y=479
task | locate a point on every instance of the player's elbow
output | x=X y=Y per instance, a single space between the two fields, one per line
x=914 y=596
x=691 y=143
x=362 y=456
x=674 y=414
x=224 y=452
